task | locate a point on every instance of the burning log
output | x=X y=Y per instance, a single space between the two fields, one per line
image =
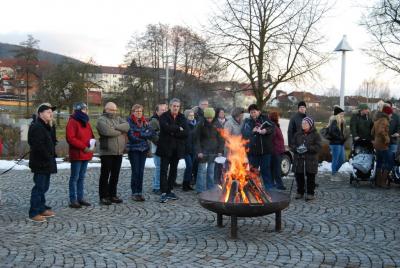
x=261 y=192
x=234 y=191
x=251 y=195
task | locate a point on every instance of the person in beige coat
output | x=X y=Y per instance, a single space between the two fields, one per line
x=112 y=130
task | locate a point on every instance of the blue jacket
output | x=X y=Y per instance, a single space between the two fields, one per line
x=138 y=136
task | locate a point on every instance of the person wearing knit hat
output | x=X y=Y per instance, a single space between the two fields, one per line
x=209 y=113
x=361 y=124
x=337 y=110
x=336 y=129
x=80 y=138
x=306 y=146
x=381 y=142
x=296 y=120
x=208 y=145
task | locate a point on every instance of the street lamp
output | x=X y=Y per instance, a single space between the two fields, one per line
x=343 y=46
x=87 y=98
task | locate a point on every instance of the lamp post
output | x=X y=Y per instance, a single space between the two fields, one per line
x=87 y=98
x=343 y=46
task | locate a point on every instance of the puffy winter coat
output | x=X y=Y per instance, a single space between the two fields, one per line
x=173 y=134
x=360 y=126
x=278 y=141
x=78 y=136
x=312 y=142
x=42 y=157
x=259 y=144
x=139 y=136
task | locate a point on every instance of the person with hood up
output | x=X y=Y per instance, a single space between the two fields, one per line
x=79 y=134
x=306 y=145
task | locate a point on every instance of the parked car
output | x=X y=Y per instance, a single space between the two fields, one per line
x=287 y=158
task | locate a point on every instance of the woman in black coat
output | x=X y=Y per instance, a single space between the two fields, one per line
x=306 y=145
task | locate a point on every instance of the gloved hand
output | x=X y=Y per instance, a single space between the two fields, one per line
x=302 y=149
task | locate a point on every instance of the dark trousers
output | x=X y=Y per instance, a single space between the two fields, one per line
x=218 y=168
x=300 y=180
x=38 y=199
x=137 y=160
x=109 y=173
x=167 y=181
x=188 y=174
x=276 y=165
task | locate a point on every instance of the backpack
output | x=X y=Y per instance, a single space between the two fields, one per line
x=324 y=132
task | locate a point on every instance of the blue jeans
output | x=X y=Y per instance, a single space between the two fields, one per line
x=156 y=176
x=137 y=160
x=187 y=175
x=393 y=150
x=76 y=181
x=338 y=157
x=264 y=163
x=276 y=164
x=205 y=176
x=38 y=199
x=383 y=159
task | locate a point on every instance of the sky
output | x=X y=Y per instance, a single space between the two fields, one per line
x=101 y=29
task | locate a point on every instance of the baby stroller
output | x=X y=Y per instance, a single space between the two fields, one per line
x=395 y=174
x=362 y=159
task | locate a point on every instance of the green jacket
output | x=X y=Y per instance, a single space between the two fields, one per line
x=112 y=130
x=361 y=126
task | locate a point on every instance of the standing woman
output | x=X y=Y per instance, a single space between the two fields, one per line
x=279 y=149
x=337 y=126
x=306 y=144
x=78 y=134
x=189 y=150
x=138 y=146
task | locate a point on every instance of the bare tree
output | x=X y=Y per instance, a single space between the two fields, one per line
x=383 y=25
x=373 y=88
x=275 y=39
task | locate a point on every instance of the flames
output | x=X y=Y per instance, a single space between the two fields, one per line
x=241 y=184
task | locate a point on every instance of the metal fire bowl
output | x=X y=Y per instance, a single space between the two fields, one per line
x=210 y=200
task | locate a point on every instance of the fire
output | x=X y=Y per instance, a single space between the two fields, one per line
x=241 y=184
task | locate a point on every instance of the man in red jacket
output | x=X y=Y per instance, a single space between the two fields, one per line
x=79 y=135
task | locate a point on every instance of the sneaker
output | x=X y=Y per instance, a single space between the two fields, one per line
x=116 y=200
x=172 y=196
x=163 y=198
x=75 y=205
x=310 y=197
x=38 y=218
x=137 y=198
x=105 y=201
x=84 y=203
x=48 y=213
x=299 y=196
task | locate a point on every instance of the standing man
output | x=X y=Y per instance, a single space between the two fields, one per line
x=259 y=130
x=42 y=161
x=361 y=124
x=112 y=130
x=155 y=125
x=78 y=134
x=171 y=147
x=203 y=104
x=295 y=122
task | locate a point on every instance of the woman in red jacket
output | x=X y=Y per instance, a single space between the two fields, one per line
x=279 y=149
x=79 y=133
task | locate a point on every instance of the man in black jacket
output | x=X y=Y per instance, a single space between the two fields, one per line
x=295 y=121
x=171 y=147
x=258 y=129
x=42 y=161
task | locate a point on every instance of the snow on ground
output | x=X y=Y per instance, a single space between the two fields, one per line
x=324 y=167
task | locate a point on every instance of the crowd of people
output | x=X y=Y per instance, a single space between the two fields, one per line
x=195 y=136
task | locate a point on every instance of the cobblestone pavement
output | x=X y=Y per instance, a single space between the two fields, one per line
x=344 y=227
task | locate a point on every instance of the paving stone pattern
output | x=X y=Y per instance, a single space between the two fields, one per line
x=344 y=227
